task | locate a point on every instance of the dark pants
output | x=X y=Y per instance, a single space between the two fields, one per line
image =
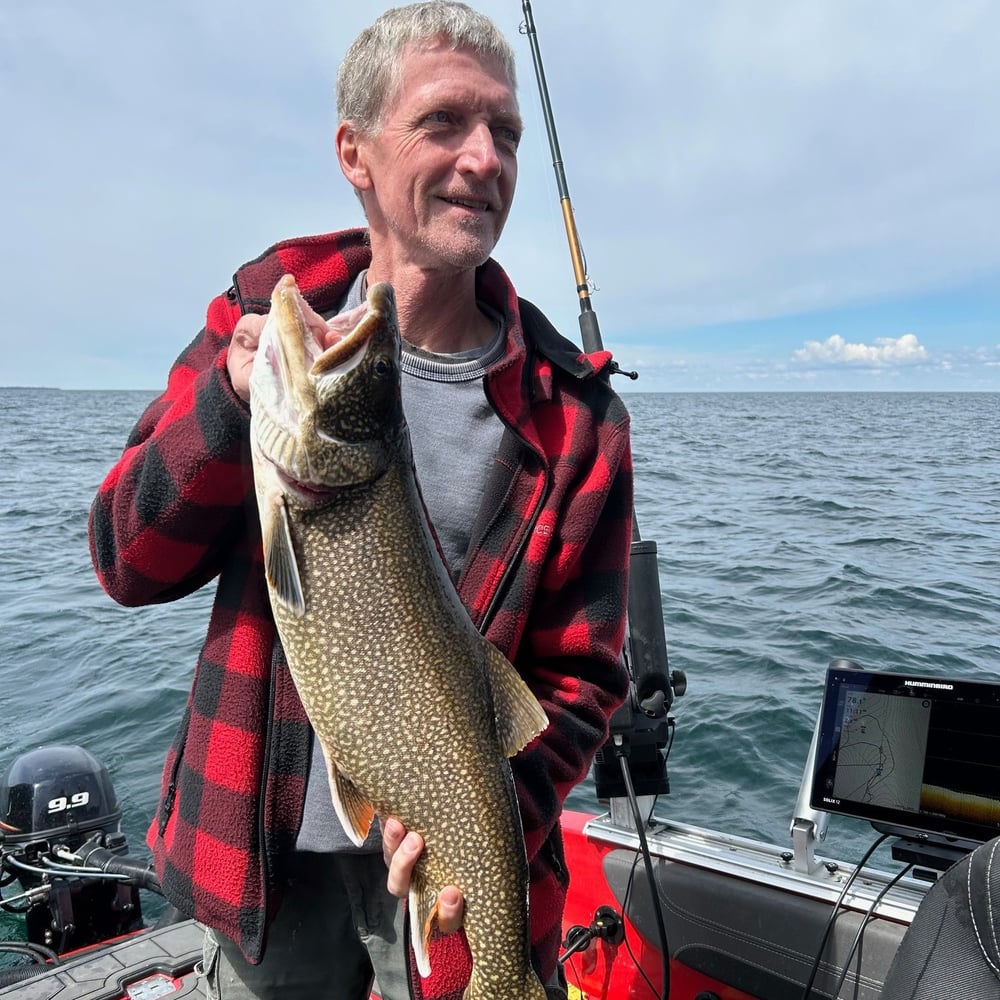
x=337 y=928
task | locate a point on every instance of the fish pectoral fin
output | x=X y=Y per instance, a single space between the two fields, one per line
x=423 y=916
x=520 y=718
x=279 y=559
x=352 y=806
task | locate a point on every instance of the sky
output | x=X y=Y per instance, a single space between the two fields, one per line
x=771 y=196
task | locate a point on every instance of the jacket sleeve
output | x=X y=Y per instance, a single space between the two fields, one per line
x=571 y=651
x=172 y=504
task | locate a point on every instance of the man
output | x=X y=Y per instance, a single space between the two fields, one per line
x=523 y=455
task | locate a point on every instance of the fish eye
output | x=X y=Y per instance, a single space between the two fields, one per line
x=382 y=365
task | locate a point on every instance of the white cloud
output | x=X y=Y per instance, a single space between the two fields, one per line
x=885 y=352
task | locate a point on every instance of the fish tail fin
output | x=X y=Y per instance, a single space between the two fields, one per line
x=423 y=913
x=519 y=716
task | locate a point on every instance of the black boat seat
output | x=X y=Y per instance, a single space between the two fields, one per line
x=952 y=948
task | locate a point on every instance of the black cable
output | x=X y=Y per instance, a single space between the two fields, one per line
x=868 y=917
x=627 y=943
x=834 y=912
x=579 y=937
x=38 y=953
x=576 y=940
x=648 y=863
x=671 y=730
x=576 y=973
x=114 y=865
x=98 y=863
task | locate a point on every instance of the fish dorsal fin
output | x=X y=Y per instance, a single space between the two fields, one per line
x=519 y=716
x=352 y=806
x=280 y=564
x=423 y=915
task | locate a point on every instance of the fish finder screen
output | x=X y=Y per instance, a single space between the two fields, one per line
x=910 y=754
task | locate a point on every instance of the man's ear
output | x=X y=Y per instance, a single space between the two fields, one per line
x=350 y=157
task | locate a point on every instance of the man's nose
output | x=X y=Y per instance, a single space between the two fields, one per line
x=479 y=152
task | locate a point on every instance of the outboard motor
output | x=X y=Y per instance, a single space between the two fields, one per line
x=59 y=825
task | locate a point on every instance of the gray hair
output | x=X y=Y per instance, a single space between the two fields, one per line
x=369 y=75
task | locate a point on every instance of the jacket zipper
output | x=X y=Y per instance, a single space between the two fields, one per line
x=167 y=806
x=266 y=771
x=170 y=795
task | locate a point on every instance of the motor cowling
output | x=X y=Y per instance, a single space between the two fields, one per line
x=58 y=793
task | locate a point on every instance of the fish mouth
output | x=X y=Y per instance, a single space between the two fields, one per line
x=313 y=458
x=306 y=494
x=346 y=353
x=292 y=466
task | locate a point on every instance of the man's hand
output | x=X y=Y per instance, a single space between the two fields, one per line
x=246 y=337
x=242 y=351
x=401 y=849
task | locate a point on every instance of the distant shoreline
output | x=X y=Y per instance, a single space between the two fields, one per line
x=638 y=392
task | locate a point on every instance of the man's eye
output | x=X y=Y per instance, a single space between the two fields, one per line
x=509 y=135
x=439 y=117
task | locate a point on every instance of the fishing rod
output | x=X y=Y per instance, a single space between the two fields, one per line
x=590 y=329
x=641 y=726
x=656 y=685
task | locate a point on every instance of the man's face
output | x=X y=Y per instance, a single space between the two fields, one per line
x=442 y=170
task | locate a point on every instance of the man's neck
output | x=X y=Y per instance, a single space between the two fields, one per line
x=437 y=313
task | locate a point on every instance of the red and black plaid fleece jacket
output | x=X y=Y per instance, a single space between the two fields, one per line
x=545 y=581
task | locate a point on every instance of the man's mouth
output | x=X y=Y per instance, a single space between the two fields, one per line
x=472 y=203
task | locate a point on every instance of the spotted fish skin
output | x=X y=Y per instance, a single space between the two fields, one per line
x=415 y=711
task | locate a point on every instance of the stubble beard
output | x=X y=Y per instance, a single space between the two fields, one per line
x=460 y=244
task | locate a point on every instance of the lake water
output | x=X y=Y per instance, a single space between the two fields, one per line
x=791 y=528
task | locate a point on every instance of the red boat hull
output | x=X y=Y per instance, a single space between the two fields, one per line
x=632 y=970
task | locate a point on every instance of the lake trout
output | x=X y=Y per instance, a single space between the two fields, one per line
x=416 y=712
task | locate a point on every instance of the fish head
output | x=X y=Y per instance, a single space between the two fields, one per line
x=357 y=380
x=325 y=419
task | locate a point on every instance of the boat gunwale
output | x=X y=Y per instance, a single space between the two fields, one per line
x=768 y=865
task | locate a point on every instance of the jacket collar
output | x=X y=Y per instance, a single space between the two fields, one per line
x=324 y=267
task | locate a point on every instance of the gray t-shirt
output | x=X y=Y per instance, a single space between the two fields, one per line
x=455 y=434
